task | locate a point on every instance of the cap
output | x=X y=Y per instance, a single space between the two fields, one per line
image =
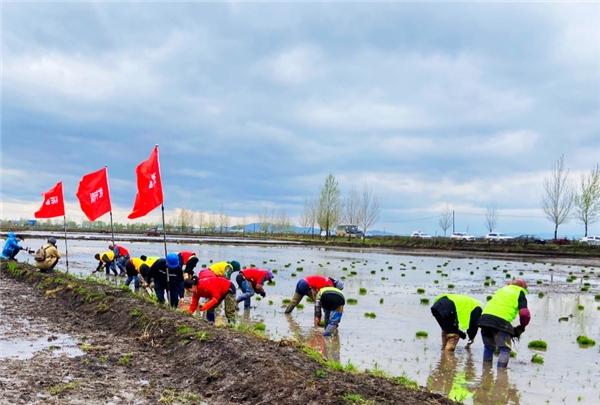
x=520 y=282
x=338 y=284
x=235 y=264
x=270 y=274
x=172 y=260
x=52 y=240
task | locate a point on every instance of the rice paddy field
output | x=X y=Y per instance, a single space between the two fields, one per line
x=387 y=323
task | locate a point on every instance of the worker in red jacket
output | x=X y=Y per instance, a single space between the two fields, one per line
x=310 y=286
x=216 y=289
x=121 y=257
x=250 y=281
x=189 y=260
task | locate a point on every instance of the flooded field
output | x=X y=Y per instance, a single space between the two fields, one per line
x=387 y=341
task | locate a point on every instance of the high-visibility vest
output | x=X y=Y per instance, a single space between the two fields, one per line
x=464 y=306
x=505 y=303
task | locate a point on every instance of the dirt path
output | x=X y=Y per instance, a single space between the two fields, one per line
x=131 y=351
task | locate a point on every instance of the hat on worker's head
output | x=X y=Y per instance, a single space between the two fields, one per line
x=172 y=260
x=519 y=282
x=20 y=237
x=337 y=283
x=235 y=264
x=270 y=275
x=52 y=240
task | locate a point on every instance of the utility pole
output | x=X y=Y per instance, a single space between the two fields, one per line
x=453 y=230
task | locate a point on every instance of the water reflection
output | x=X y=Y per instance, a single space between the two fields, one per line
x=496 y=390
x=461 y=383
x=329 y=347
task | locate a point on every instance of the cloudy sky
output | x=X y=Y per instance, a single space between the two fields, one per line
x=254 y=104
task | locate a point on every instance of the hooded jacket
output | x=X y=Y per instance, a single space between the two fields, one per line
x=52 y=256
x=11 y=246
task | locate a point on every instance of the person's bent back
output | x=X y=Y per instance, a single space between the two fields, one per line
x=52 y=256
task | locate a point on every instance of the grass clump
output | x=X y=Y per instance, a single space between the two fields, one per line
x=585 y=341
x=537 y=344
x=126 y=359
x=537 y=359
x=260 y=326
x=135 y=312
x=422 y=334
x=59 y=389
x=183 y=329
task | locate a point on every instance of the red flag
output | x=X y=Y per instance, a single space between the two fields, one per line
x=54 y=203
x=149 y=194
x=93 y=194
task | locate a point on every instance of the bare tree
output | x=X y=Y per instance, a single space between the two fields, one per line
x=557 y=200
x=264 y=220
x=491 y=217
x=587 y=201
x=244 y=223
x=305 y=217
x=211 y=223
x=330 y=205
x=185 y=220
x=224 y=220
x=313 y=207
x=351 y=207
x=200 y=219
x=369 y=208
x=445 y=219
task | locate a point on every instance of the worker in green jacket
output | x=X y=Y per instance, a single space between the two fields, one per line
x=455 y=314
x=332 y=301
x=495 y=322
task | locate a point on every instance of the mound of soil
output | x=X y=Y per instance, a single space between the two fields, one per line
x=138 y=352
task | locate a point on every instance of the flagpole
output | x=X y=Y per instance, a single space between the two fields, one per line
x=112 y=228
x=165 y=242
x=66 y=245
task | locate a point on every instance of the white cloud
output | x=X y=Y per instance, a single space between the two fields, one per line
x=297 y=66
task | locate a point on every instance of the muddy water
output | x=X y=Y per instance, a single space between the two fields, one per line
x=569 y=373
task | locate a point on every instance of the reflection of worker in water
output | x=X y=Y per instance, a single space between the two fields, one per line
x=445 y=379
x=498 y=391
x=454 y=312
x=495 y=321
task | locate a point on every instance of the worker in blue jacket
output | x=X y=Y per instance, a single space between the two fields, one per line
x=12 y=247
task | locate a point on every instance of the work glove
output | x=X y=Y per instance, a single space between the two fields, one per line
x=262 y=294
x=519 y=331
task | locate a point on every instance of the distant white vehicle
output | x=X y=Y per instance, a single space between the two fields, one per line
x=463 y=236
x=420 y=235
x=497 y=237
x=590 y=240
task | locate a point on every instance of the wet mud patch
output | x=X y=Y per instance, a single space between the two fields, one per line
x=137 y=352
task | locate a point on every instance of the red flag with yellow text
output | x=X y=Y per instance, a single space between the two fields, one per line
x=149 y=185
x=93 y=194
x=54 y=203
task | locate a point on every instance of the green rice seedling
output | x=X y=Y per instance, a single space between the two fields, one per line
x=493 y=282
x=299 y=268
x=343 y=277
x=309 y=300
x=540 y=295
x=371 y=315
x=520 y=273
x=580 y=307
x=537 y=359
x=251 y=264
x=585 y=341
x=537 y=344
x=450 y=285
x=383 y=278
x=427 y=272
x=293 y=274
x=275 y=271
x=487 y=277
x=597 y=297
x=258 y=298
x=286 y=301
x=414 y=267
x=362 y=291
x=344 y=268
x=264 y=262
x=489 y=297
x=300 y=306
x=381 y=300
x=270 y=302
x=403 y=275
x=539 y=282
x=436 y=281
x=353 y=273
x=422 y=334
x=471 y=272
x=425 y=301
x=439 y=271
x=390 y=267
x=352 y=301
x=420 y=291
x=373 y=272
x=508 y=275
x=584 y=289
x=536 y=271
x=486 y=283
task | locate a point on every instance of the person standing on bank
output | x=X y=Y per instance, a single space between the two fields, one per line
x=50 y=258
x=495 y=322
x=458 y=316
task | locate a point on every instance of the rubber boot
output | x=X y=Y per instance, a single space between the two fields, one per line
x=329 y=330
x=453 y=339
x=295 y=301
x=488 y=354
x=210 y=317
x=444 y=339
x=503 y=357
